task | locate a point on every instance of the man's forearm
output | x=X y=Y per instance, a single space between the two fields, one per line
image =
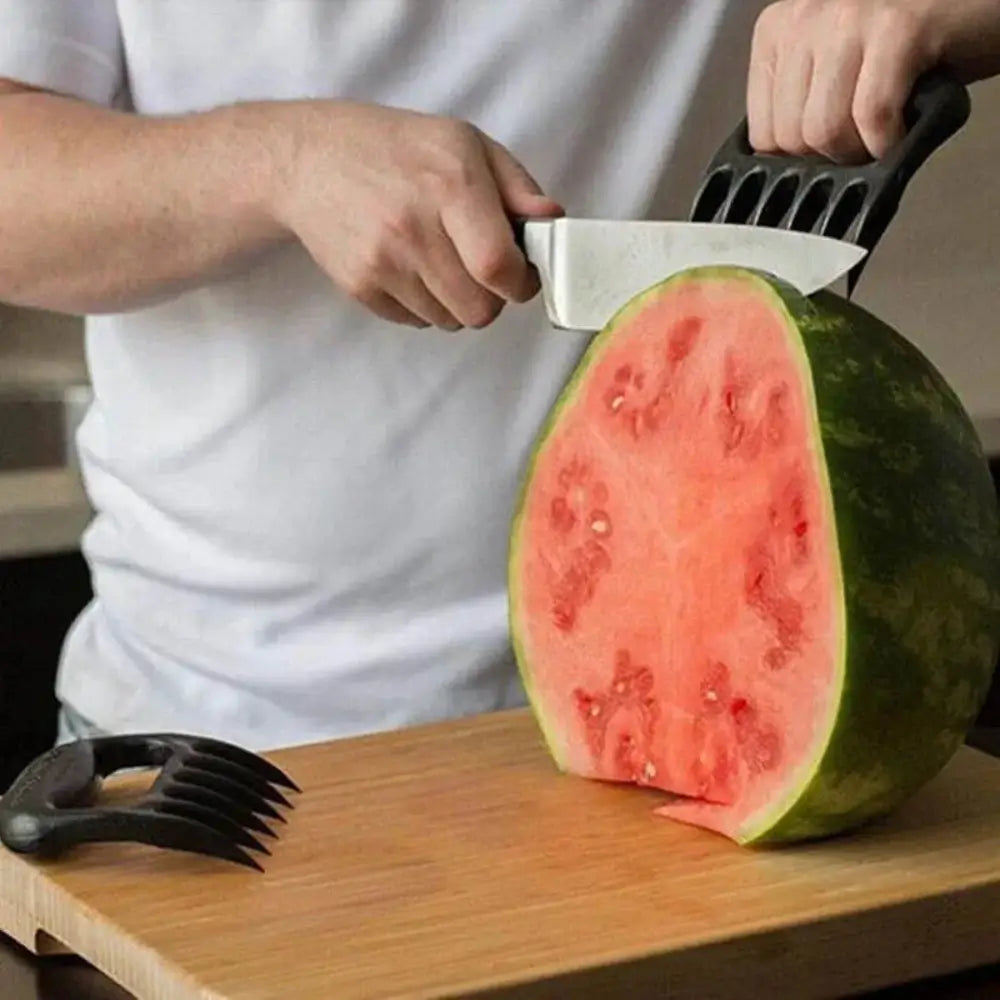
x=102 y=211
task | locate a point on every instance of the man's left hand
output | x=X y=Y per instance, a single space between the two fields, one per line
x=833 y=76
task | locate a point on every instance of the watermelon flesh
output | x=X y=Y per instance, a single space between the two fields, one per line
x=755 y=561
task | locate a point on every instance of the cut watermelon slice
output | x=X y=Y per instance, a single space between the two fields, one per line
x=756 y=561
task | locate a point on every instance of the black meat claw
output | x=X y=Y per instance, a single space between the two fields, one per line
x=207 y=798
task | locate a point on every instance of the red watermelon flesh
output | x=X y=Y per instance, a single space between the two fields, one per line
x=676 y=580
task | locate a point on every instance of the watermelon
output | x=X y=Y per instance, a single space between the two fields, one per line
x=755 y=561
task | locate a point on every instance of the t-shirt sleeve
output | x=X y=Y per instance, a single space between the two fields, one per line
x=70 y=46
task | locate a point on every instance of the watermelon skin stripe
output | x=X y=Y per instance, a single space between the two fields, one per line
x=920 y=560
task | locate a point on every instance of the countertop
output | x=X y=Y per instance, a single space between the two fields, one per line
x=41 y=512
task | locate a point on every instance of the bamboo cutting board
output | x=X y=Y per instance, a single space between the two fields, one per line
x=452 y=860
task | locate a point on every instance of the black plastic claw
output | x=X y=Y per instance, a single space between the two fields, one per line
x=232 y=790
x=210 y=818
x=182 y=834
x=813 y=194
x=49 y=835
x=237 y=774
x=207 y=799
x=246 y=759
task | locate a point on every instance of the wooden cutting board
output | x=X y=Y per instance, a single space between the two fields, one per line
x=452 y=860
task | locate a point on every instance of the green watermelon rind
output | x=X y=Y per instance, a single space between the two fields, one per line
x=887 y=608
x=890 y=738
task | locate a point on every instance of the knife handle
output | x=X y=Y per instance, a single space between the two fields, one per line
x=518 y=222
x=517 y=225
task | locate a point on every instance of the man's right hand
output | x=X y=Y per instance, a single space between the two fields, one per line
x=407 y=213
x=107 y=211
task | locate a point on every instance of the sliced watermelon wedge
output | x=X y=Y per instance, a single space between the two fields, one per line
x=755 y=562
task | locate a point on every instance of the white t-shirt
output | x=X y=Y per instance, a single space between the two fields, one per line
x=302 y=510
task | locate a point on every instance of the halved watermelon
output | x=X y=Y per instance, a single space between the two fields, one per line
x=755 y=562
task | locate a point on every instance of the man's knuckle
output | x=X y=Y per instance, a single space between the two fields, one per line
x=461 y=135
x=456 y=142
x=365 y=279
x=823 y=136
x=492 y=264
x=481 y=311
x=399 y=224
x=781 y=16
x=361 y=286
x=843 y=19
x=897 y=22
x=873 y=114
x=769 y=20
x=457 y=158
x=789 y=138
x=449 y=178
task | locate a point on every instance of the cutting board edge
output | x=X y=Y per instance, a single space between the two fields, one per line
x=763 y=961
x=19 y=925
x=764 y=957
x=75 y=930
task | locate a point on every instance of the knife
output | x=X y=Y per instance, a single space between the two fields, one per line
x=589 y=268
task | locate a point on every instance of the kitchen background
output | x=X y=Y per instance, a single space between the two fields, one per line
x=935 y=277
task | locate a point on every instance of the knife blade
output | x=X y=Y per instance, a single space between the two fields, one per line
x=589 y=268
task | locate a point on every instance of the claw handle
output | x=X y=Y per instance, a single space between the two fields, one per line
x=61 y=777
x=45 y=793
x=44 y=809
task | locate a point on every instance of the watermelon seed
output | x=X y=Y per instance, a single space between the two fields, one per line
x=715 y=687
x=562 y=515
x=573 y=472
x=597 y=559
x=616 y=403
x=600 y=524
x=683 y=338
x=649 y=770
x=774 y=659
x=564 y=616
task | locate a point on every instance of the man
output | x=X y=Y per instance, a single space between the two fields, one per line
x=302 y=470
